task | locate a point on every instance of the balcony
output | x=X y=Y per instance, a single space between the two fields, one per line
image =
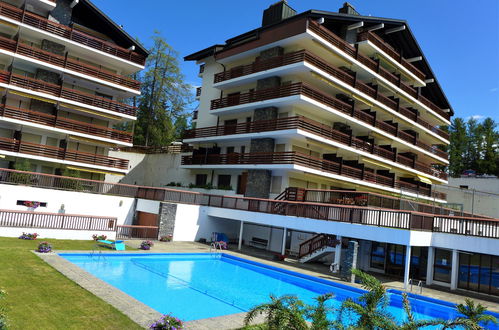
x=306 y=56
x=66 y=32
x=12 y=145
x=305 y=90
x=316 y=128
x=63 y=62
x=37 y=85
x=64 y=123
x=295 y=158
x=363 y=198
x=385 y=47
x=374 y=66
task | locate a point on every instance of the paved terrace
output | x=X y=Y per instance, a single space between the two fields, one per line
x=144 y=315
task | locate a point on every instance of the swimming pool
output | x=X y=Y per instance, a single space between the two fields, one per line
x=202 y=285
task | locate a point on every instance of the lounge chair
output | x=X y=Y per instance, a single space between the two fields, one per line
x=116 y=245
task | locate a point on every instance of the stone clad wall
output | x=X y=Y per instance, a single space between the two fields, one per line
x=349 y=262
x=167 y=214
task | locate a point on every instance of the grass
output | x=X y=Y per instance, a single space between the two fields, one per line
x=39 y=297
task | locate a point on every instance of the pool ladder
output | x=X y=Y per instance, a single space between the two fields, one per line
x=216 y=246
x=420 y=285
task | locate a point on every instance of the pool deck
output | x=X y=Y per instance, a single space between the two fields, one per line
x=145 y=315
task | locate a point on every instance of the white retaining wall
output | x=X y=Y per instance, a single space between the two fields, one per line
x=69 y=202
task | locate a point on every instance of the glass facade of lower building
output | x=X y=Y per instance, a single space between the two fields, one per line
x=479 y=272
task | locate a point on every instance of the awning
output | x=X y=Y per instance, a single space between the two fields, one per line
x=376 y=163
x=423 y=179
x=79 y=138
x=33 y=97
x=89 y=111
x=83 y=169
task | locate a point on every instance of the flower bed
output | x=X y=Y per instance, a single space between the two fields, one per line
x=167 y=238
x=167 y=322
x=28 y=236
x=146 y=245
x=44 y=247
x=99 y=237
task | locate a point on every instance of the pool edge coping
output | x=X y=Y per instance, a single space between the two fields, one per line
x=134 y=309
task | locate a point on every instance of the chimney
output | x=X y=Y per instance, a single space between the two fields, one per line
x=348 y=9
x=277 y=12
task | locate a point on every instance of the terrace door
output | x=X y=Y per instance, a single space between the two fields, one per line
x=241 y=183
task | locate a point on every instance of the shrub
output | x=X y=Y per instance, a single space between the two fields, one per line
x=167 y=322
x=99 y=237
x=28 y=236
x=22 y=178
x=44 y=247
x=171 y=184
x=3 y=317
x=146 y=245
x=70 y=183
x=166 y=238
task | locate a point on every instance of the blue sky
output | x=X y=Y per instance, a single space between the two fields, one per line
x=459 y=38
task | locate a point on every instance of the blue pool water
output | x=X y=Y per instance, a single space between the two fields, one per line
x=196 y=286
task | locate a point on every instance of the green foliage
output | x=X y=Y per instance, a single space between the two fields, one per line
x=473 y=316
x=3 y=312
x=371 y=306
x=69 y=183
x=21 y=178
x=164 y=97
x=286 y=312
x=474 y=145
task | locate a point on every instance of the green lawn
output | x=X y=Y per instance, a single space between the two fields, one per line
x=39 y=297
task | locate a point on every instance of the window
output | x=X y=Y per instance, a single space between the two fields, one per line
x=378 y=255
x=442 y=265
x=463 y=187
x=230 y=150
x=109 y=97
x=201 y=179
x=31 y=203
x=224 y=181
x=243 y=149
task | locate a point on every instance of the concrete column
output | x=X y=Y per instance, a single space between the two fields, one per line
x=240 y=244
x=337 y=256
x=454 y=270
x=283 y=247
x=429 y=266
x=407 y=266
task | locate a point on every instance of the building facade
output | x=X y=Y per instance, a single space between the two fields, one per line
x=320 y=100
x=65 y=77
x=343 y=110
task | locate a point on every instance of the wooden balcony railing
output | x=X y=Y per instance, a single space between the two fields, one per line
x=379 y=217
x=306 y=56
x=305 y=90
x=373 y=65
x=314 y=127
x=64 y=123
x=384 y=46
x=362 y=198
x=30 y=219
x=28 y=148
x=317 y=242
x=295 y=158
x=67 y=63
x=66 y=32
x=145 y=232
x=66 y=93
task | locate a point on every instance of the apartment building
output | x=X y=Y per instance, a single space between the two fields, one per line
x=65 y=76
x=343 y=110
x=320 y=100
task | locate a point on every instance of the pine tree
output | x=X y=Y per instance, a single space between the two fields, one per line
x=164 y=99
x=458 y=147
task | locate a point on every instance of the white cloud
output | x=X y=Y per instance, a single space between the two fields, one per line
x=476 y=117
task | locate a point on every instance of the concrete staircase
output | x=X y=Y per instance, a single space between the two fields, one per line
x=317 y=247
